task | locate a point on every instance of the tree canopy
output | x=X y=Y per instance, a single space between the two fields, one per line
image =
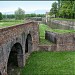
x=64 y=9
x=53 y=9
x=1 y=16
x=19 y=14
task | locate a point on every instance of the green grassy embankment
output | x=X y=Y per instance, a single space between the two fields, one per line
x=50 y=63
x=7 y=23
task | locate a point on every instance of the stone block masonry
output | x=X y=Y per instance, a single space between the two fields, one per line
x=64 y=42
x=50 y=36
x=61 y=24
x=15 y=41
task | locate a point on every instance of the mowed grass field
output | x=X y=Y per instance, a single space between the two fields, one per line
x=50 y=63
x=7 y=23
x=42 y=40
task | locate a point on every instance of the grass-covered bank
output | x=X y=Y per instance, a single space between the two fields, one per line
x=50 y=63
x=42 y=28
x=6 y=23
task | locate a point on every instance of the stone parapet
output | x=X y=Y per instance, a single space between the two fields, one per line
x=63 y=42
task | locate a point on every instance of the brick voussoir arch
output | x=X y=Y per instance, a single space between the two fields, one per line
x=16 y=35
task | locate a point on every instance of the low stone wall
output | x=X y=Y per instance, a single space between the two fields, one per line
x=50 y=36
x=52 y=47
x=63 y=41
x=66 y=41
x=59 y=24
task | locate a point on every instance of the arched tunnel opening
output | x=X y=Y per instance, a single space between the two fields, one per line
x=15 y=59
x=26 y=49
x=28 y=44
x=0 y=73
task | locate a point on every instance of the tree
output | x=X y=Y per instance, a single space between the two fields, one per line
x=11 y=16
x=19 y=14
x=66 y=9
x=1 y=16
x=54 y=9
x=73 y=9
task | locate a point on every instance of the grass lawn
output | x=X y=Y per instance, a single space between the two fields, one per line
x=6 y=23
x=63 y=19
x=42 y=28
x=50 y=63
x=60 y=31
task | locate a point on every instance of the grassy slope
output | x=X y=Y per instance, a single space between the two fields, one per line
x=42 y=29
x=60 y=31
x=50 y=63
x=6 y=23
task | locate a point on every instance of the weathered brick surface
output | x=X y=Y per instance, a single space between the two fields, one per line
x=11 y=35
x=63 y=42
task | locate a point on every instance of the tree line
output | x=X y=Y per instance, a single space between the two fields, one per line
x=63 y=9
x=19 y=14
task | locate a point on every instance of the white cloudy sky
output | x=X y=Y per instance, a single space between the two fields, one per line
x=28 y=6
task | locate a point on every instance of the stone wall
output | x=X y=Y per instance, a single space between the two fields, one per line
x=50 y=36
x=64 y=41
x=16 y=34
x=60 y=24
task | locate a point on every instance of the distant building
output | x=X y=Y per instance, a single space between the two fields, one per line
x=47 y=17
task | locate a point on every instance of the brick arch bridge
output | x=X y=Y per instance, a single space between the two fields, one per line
x=15 y=42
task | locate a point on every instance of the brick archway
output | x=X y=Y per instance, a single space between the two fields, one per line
x=10 y=36
x=15 y=57
x=28 y=44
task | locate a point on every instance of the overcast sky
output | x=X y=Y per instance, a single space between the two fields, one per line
x=28 y=6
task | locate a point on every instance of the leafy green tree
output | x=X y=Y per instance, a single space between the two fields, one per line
x=1 y=16
x=66 y=9
x=19 y=14
x=73 y=9
x=54 y=9
x=40 y=15
x=11 y=16
x=34 y=15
